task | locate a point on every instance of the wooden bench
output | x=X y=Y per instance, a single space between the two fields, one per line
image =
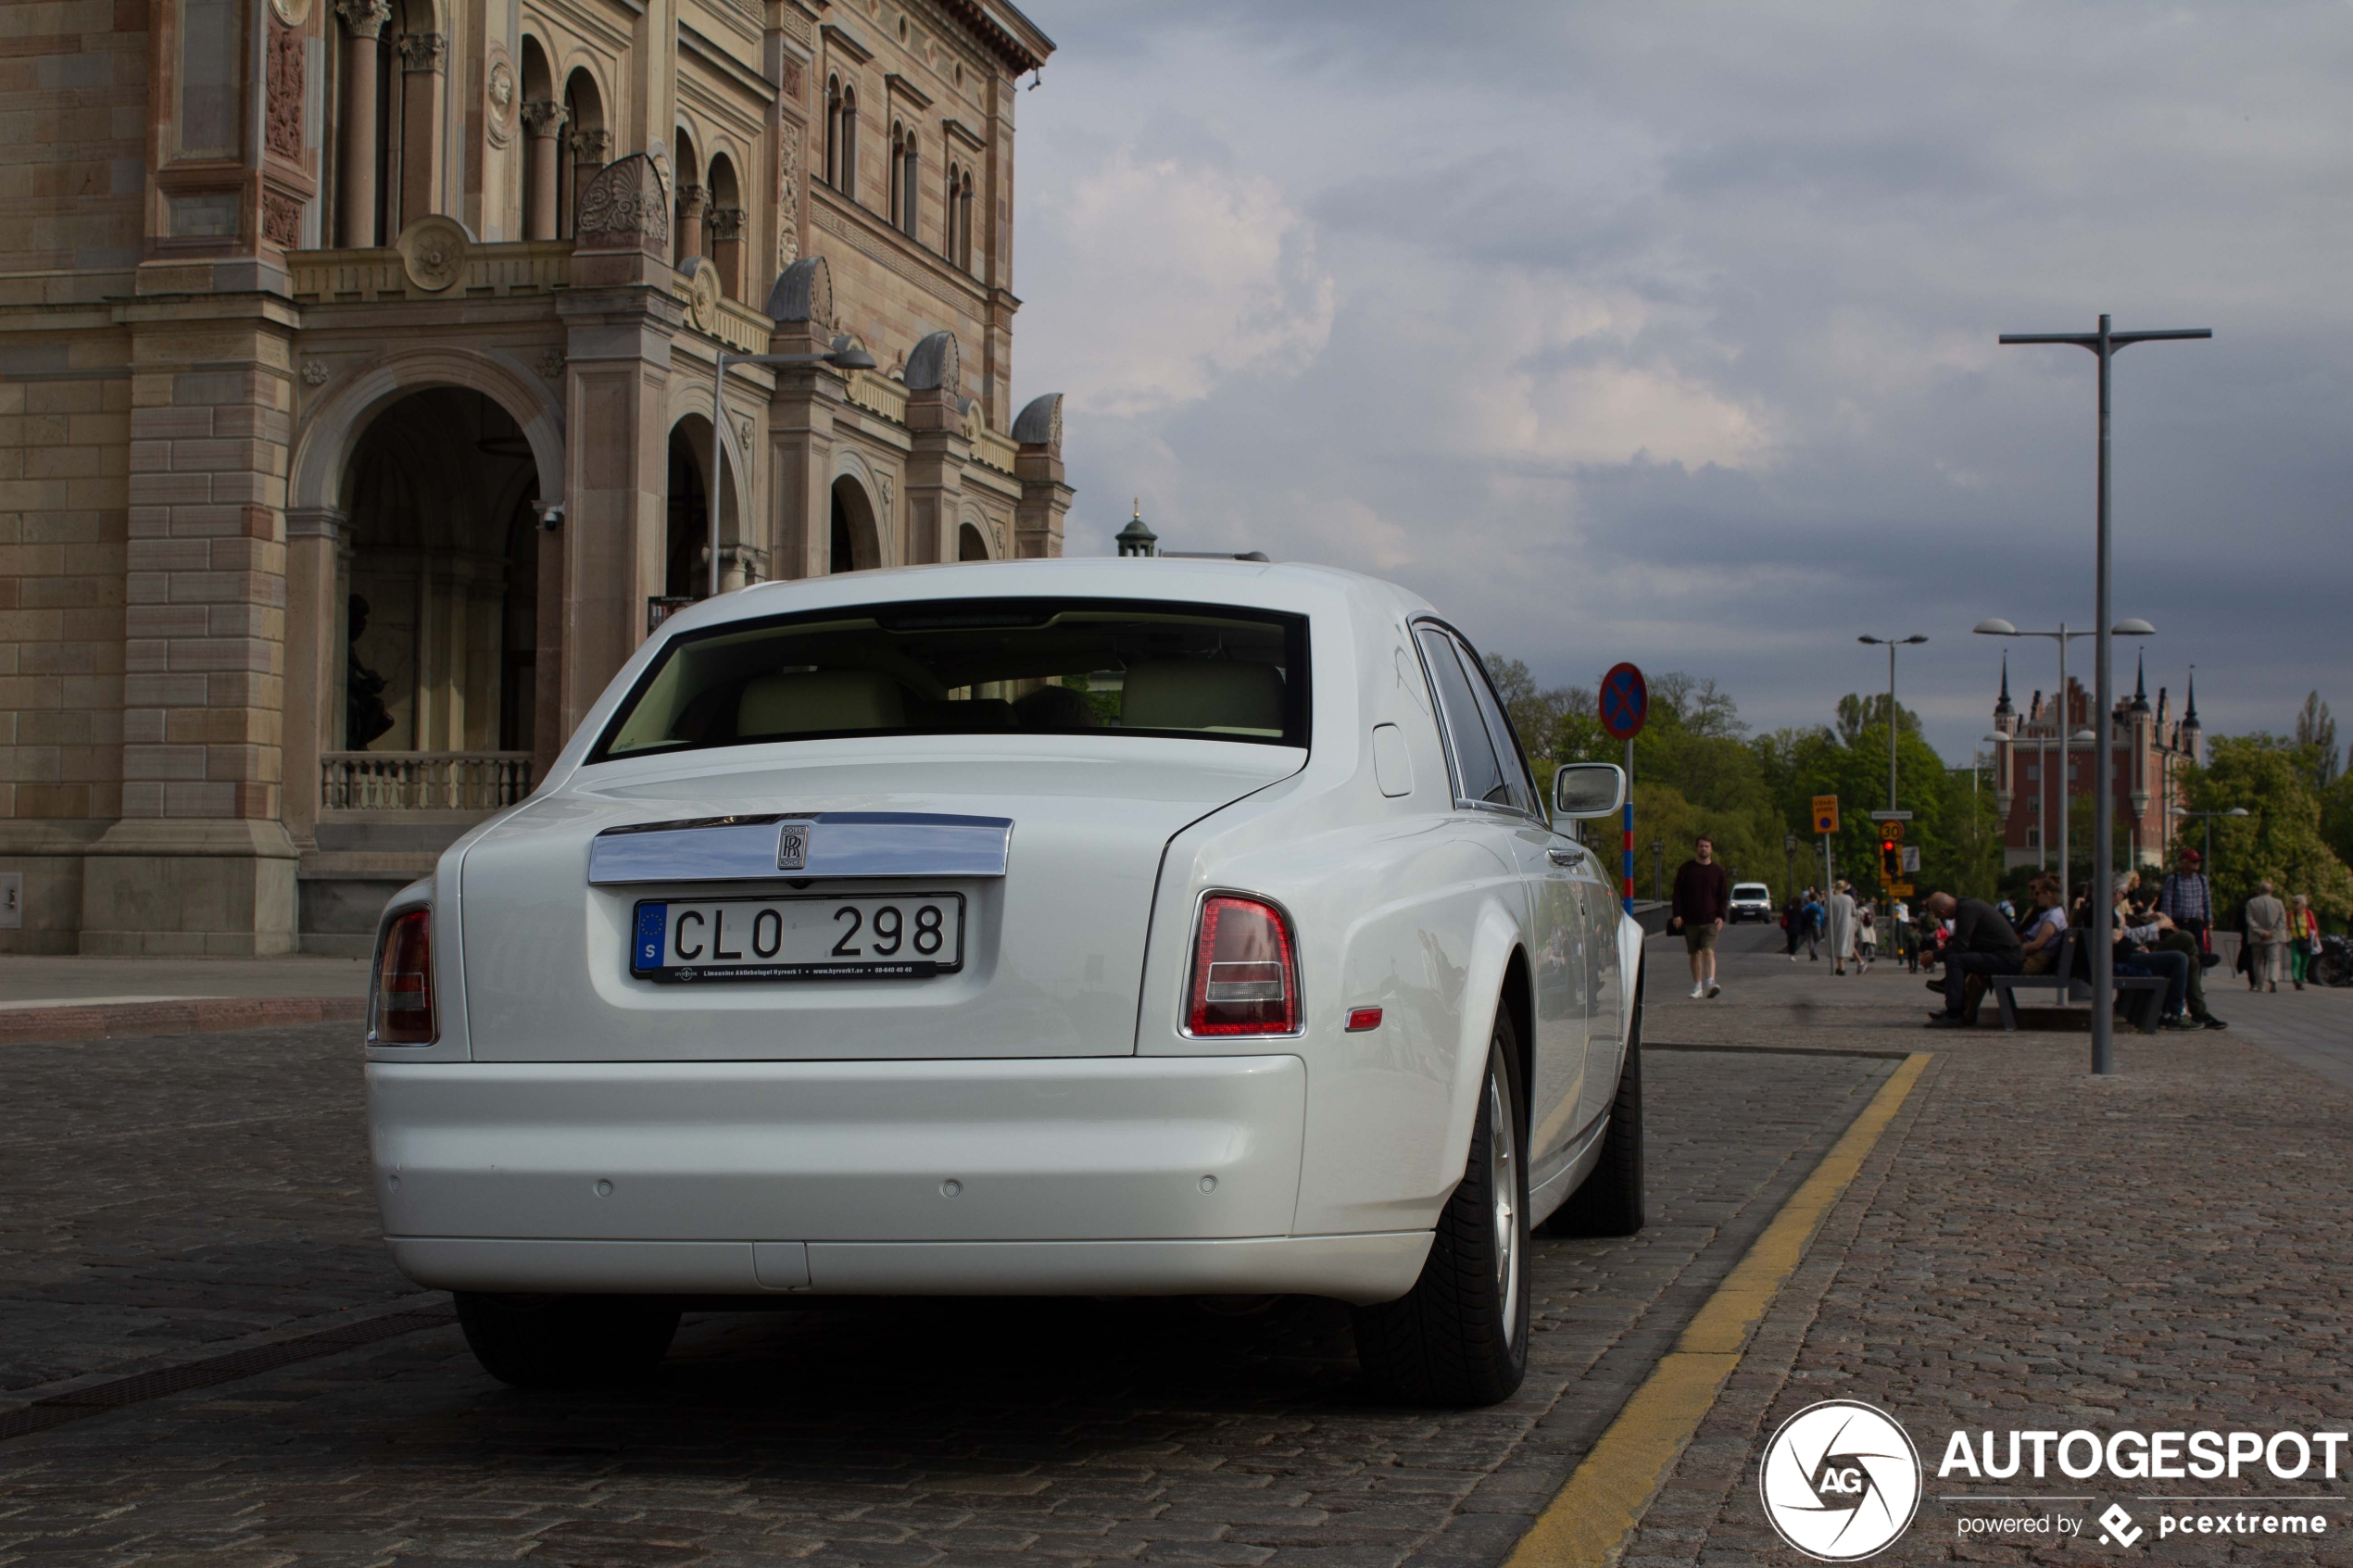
x=2065 y=989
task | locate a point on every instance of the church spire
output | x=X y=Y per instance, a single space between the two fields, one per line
x=2140 y=683
x=2005 y=711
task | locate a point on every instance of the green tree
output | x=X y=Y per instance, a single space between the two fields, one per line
x=2281 y=840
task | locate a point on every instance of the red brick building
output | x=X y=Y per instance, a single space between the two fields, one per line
x=2033 y=773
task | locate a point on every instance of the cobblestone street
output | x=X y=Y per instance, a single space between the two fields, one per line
x=191 y=1251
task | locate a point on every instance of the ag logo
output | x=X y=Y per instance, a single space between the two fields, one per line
x=1840 y=1481
x=792 y=847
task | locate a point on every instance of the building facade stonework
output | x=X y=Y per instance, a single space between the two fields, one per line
x=356 y=364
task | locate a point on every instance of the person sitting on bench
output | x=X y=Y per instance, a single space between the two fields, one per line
x=1981 y=944
x=2136 y=953
x=2047 y=923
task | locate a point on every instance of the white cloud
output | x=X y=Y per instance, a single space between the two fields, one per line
x=1194 y=273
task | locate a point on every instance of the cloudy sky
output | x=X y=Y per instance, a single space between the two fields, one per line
x=1665 y=332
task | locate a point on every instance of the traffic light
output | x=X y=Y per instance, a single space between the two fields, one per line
x=1891 y=860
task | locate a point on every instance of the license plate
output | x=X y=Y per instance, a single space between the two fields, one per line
x=887 y=937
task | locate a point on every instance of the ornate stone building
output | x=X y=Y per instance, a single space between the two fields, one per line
x=2034 y=776
x=356 y=364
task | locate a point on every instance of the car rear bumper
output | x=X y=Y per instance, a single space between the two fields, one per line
x=1093 y=1176
x=1354 y=1268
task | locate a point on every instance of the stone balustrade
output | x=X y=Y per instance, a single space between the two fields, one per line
x=422 y=781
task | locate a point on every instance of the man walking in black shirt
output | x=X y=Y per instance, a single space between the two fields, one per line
x=1703 y=898
x=1981 y=943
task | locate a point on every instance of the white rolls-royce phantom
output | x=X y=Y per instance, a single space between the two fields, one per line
x=1106 y=927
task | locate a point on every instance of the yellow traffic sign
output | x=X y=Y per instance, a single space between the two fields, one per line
x=1826 y=813
x=1901 y=889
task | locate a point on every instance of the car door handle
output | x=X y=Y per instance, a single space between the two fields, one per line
x=1571 y=855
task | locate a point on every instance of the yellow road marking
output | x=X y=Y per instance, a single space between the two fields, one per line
x=1587 y=1523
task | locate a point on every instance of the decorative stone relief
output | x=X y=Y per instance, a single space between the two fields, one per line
x=281 y=219
x=795 y=83
x=743 y=434
x=283 y=126
x=551 y=364
x=627 y=202
x=499 y=90
x=294 y=13
x=804 y=292
x=726 y=223
x=545 y=119
x=590 y=146
x=787 y=193
x=419 y=51
x=935 y=363
x=432 y=252
x=1040 y=423
x=702 y=298
x=315 y=372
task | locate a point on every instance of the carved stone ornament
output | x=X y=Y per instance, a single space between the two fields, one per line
x=545 y=119
x=499 y=92
x=935 y=363
x=551 y=364
x=432 y=252
x=788 y=193
x=294 y=13
x=702 y=293
x=282 y=129
x=1040 y=423
x=625 y=205
x=726 y=224
x=804 y=292
x=743 y=433
x=419 y=51
x=365 y=18
x=315 y=372
x=281 y=219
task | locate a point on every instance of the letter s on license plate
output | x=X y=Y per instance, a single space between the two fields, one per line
x=864 y=937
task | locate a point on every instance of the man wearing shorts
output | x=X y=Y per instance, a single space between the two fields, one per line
x=1703 y=898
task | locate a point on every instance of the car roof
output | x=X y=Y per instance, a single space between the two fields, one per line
x=1295 y=586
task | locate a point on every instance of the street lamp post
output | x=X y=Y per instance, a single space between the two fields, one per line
x=2104 y=345
x=1891 y=644
x=851 y=358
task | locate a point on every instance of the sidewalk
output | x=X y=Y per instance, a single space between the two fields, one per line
x=2033 y=1248
x=45 y=997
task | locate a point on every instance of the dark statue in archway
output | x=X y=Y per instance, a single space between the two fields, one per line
x=365 y=716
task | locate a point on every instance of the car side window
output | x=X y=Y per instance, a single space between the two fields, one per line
x=1509 y=757
x=1478 y=775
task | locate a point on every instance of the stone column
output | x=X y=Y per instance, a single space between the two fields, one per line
x=421 y=57
x=544 y=123
x=690 y=210
x=356 y=202
x=315 y=638
x=589 y=149
x=937 y=449
x=727 y=249
x=1045 y=498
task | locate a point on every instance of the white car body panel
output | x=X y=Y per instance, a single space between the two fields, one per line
x=757 y=1137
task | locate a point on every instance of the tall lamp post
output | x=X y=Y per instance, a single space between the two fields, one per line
x=851 y=358
x=1996 y=627
x=2104 y=343
x=1891 y=644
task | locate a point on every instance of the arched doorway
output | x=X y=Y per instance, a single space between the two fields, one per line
x=970 y=546
x=686 y=541
x=439 y=589
x=856 y=544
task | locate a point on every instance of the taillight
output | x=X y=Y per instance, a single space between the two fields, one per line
x=404 y=983
x=1245 y=975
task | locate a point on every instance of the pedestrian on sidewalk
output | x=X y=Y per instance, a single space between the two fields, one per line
x=1793 y=925
x=1809 y=920
x=1841 y=926
x=2266 y=936
x=1981 y=945
x=2187 y=898
x=2303 y=939
x=1703 y=898
x=1866 y=940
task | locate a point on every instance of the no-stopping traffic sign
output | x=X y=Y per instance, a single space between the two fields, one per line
x=1626 y=701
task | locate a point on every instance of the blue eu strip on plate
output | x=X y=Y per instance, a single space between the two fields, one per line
x=652 y=920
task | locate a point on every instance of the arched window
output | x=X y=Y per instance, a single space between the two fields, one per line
x=910 y=187
x=948 y=215
x=833 y=131
x=848 y=186
x=898 y=172
x=964 y=223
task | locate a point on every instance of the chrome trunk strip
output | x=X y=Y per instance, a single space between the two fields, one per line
x=832 y=844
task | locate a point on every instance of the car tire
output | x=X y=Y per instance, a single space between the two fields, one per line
x=1610 y=1200
x=566 y=1341
x=1459 y=1338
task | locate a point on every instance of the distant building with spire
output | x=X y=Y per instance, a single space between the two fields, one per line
x=2031 y=781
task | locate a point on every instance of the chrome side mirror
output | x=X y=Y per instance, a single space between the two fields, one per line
x=1583 y=791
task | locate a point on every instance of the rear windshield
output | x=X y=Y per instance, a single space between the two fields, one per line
x=974 y=667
